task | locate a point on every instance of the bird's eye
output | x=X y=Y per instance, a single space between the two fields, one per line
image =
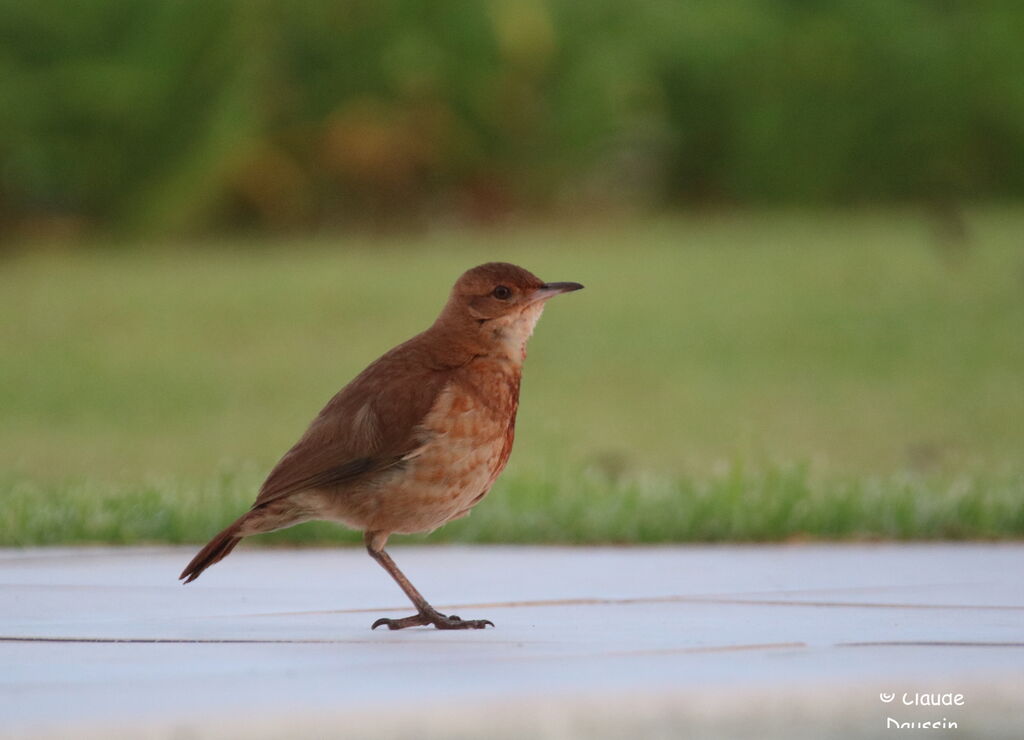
x=502 y=293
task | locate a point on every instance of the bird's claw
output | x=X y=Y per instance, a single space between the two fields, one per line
x=440 y=621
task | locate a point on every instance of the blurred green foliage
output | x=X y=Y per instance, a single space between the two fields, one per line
x=153 y=116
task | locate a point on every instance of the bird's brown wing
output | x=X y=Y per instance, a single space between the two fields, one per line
x=371 y=425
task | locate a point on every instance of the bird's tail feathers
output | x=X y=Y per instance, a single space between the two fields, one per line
x=216 y=550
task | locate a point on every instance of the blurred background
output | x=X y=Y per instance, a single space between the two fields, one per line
x=156 y=118
x=799 y=222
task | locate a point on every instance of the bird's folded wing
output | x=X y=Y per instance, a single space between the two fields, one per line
x=371 y=425
x=290 y=477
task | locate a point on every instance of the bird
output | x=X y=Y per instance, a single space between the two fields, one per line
x=417 y=439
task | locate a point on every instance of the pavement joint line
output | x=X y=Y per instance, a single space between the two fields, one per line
x=706 y=649
x=609 y=601
x=616 y=653
x=314 y=641
x=222 y=640
x=170 y=640
x=859 y=605
x=854 y=589
x=931 y=643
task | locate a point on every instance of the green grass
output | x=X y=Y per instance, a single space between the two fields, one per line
x=755 y=377
x=736 y=505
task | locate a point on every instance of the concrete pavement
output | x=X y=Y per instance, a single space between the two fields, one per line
x=716 y=641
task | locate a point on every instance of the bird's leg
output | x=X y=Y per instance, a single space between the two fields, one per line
x=426 y=614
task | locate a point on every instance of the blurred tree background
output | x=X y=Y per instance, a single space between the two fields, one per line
x=147 y=117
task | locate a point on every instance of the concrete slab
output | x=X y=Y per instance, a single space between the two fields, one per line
x=786 y=641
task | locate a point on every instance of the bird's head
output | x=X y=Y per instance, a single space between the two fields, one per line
x=501 y=303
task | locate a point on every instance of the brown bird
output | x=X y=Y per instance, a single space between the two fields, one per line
x=416 y=439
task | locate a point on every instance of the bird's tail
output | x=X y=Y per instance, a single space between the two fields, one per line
x=216 y=550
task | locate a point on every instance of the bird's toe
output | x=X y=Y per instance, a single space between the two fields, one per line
x=440 y=621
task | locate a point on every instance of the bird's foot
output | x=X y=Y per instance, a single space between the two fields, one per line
x=436 y=618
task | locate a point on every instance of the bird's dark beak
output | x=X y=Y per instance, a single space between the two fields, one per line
x=549 y=290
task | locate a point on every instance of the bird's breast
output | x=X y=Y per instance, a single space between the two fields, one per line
x=467 y=439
